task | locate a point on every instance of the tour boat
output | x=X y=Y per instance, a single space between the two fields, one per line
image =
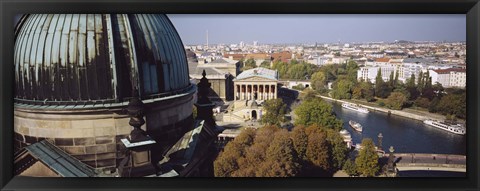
x=354 y=107
x=347 y=138
x=457 y=128
x=357 y=126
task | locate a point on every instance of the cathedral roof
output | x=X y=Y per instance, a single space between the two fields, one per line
x=71 y=59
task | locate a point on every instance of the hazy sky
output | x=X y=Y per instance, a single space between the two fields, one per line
x=318 y=28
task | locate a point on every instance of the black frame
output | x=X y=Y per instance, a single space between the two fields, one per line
x=8 y=8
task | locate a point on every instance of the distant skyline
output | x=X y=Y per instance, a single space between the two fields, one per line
x=293 y=28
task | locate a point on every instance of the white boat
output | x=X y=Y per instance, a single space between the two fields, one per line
x=457 y=128
x=354 y=107
x=357 y=126
x=347 y=138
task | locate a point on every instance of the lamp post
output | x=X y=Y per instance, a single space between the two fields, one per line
x=380 y=137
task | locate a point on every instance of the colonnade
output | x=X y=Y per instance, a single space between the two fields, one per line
x=249 y=91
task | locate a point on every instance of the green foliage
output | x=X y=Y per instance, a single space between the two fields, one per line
x=300 y=141
x=391 y=82
x=338 y=149
x=317 y=151
x=363 y=90
x=396 y=100
x=382 y=89
x=422 y=102
x=453 y=104
x=275 y=109
x=318 y=112
x=274 y=152
x=343 y=89
x=319 y=80
x=350 y=168
x=282 y=157
x=249 y=64
x=299 y=87
x=307 y=94
x=265 y=64
x=411 y=81
x=367 y=159
x=297 y=71
x=294 y=69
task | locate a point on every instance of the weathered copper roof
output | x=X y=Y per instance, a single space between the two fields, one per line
x=63 y=59
x=57 y=160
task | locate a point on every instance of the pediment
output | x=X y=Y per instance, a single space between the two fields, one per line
x=257 y=78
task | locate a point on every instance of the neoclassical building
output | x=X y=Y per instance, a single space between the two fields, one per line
x=251 y=88
x=256 y=84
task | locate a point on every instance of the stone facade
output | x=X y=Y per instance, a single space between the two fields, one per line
x=255 y=88
x=93 y=136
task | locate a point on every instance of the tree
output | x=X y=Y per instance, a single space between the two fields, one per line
x=367 y=159
x=299 y=87
x=318 y=80
x=248 y=64
x=265 y=64
x=412 y=88
x=420 y=83
x=395 y=81
x=363 y=90
x=396 y=100
x=300 y=141
x=378 y=78
x=350 y=168
x=281 y=157
x=343 y=89
x=338 y=149
x=422 y=102
x=317 y=152
x=297 y=71
x=275 y=109
x=381 y=88
x=453 y=104
x=316 y=111
x=411 y=81
x=391 y=82
x=307 y=94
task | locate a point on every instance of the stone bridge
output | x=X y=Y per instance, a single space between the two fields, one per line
x=426 y=161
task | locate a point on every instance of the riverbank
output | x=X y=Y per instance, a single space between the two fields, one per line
x=417 y=115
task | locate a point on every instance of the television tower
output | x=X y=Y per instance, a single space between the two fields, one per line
x=207 y=38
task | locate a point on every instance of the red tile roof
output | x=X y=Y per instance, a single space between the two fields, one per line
x=448 y=70
x=382 y=59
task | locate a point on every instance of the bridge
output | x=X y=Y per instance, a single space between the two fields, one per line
x=434 y=162
x=290 y=83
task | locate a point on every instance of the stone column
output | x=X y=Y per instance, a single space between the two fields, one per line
x=271 y=91
x=260 y=93
x=266 y=92
x=275 y=92
x=242 y=92
x=235 y=92
x=249 y=90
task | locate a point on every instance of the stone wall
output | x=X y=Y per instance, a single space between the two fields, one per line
x=94 y=136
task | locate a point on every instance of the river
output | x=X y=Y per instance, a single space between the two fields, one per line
x=405 y=135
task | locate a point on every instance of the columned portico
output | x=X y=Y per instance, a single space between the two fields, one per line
x=257 y=83
x=252 y=90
